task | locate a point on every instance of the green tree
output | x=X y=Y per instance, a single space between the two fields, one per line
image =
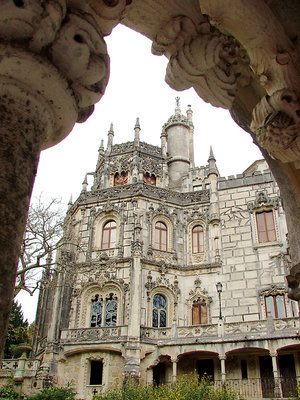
x=17 y=333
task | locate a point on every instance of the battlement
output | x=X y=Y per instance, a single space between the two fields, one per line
x=247 y=179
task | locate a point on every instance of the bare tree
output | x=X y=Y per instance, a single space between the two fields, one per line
x=41 y=239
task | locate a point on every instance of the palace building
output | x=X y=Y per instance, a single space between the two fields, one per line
x=168 y=268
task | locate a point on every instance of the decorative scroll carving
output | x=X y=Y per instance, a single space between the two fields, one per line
x=263 y=200
x=200 y=56
x=276 y=123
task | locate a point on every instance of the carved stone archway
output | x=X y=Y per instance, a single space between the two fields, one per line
x=54 y=66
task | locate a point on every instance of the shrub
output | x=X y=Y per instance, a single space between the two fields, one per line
x=8 y=393
x=55 y=393
x=187 y=387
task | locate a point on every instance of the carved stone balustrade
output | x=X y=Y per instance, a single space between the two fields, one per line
x=94 y=335
x=239 y=331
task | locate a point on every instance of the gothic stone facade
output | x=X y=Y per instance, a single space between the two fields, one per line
x=135 y=290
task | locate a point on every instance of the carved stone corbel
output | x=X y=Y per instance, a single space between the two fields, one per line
x=276 y=124
x=200 y=57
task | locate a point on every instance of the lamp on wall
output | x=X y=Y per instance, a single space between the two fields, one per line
x=219 y=287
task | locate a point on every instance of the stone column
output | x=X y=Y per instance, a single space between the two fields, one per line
x=222 y=358
x=174 y=369
x=149 y=377
x=53 y=67
x=277 y=388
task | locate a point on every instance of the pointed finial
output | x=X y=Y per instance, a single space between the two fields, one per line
x=137 y=123
x=101 y=148
x=110 y=136
x=177 y=108
x=70 y=202
x=189 y=113
x=137 y=130
x=111 y=129
x=211 y=154
x=84 y=184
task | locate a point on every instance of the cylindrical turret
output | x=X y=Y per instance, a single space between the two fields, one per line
x=179 y=134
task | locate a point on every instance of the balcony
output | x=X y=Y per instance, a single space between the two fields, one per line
x=94 y=335
x=261 y=329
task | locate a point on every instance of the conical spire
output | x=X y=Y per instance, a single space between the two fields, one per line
x=211 y=154
x=84 y=184
x=70 y=202
x=212 y=166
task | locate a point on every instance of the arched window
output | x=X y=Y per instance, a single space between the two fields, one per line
x=111 y=308
x=159 y=313
x=109 y=235
x=104 y=313
x=149 y=179
x=275 y=305
x=199 y=312
x=197 y=239
x=97 y=311
x=121 y=179
x=161 y=235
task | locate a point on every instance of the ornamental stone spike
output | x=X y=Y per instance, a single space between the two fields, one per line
x=137 y=129
x=110 y=136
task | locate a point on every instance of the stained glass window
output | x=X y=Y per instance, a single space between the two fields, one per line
x=159 y=314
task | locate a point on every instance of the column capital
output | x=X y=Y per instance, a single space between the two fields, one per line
x=222 y=357
x=273 y=353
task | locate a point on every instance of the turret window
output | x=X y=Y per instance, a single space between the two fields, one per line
x=161 y=236
x=159 y=313
x=150 y=179
x=121 y=179
x=197 y=239
x=109 y=235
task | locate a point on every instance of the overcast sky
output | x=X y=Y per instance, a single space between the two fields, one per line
x=137 y=89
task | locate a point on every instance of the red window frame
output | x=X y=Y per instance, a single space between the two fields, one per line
x=265 y=223
x=161 y=236
x=199 y=313
x=197 y=239
x=109 y=232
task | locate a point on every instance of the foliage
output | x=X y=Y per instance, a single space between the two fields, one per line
x=8 y=393
x=187 y=387
x=18 y=331
x=41 y=238
x=54 y=393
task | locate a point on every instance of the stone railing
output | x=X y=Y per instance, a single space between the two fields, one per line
x=10 y=367
x=155 y=333
x=88 y=335
x=254 y=329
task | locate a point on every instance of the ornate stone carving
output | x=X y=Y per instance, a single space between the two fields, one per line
x=263 y=200
x=200 y=56
x=164 y=282
x=276 y=123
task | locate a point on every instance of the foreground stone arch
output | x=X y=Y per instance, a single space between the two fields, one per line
x=54 y=66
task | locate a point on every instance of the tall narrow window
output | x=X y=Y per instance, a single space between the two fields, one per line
x=111 y=310
x=265 y=226
x=109 y=235
x=97 y=311
x=121 y=179
x=161 y=233
x=96 y=372
x=159 y=313
x=275 y=304
x=197 y=239
x=199 y=312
